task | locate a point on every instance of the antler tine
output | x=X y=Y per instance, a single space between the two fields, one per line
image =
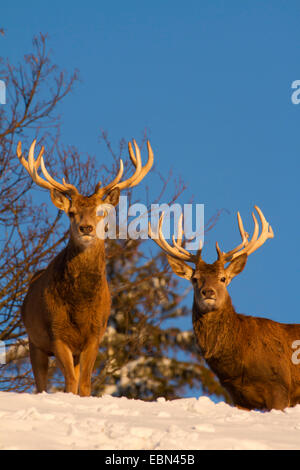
x=138 y=175
x=105 y=189
x=33 y=165
x=175 y=251
x=178 y=243
x=267 y=232
x=71 y=188
x=56 y=185
x=256 y=241
x=137 y=162
x=20 y=156
x=145 y=169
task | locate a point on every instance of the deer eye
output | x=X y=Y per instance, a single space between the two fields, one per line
x=71 y=214
x=223 y=279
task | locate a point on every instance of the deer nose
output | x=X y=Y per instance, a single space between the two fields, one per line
x=86 y=229
x=208 y=293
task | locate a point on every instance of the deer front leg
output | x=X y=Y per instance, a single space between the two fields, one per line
x=39 y=362
x=87 y=361
x=65 y=360
x=278 y=399
x=77 y=369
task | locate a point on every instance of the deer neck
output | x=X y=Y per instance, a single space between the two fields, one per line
x=92 y=255
x=83 y=260
x=84 y=269
x=215 y=330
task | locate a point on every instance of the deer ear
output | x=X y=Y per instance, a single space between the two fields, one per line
x=180 y=268
x=60 y=200
x=113 y=197
x=236 y=267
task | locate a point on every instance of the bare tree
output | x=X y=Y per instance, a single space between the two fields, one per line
x=28 y=232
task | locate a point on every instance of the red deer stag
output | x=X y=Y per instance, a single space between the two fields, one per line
x=67 y=306
x=251 y=356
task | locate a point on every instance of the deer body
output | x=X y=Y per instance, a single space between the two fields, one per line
x=68 y=303
x=66 y=309
x=251 y=356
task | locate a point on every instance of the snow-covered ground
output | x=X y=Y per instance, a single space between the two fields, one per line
x=65 y=421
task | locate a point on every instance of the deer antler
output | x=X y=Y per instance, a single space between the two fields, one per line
x=32 y=167
x=138 y=175
x=248 y=247
x=256 y=241
x=177 y=251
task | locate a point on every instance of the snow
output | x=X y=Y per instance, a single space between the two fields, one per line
x=66 y=421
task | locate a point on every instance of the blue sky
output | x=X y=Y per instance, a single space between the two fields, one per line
x=211 y=82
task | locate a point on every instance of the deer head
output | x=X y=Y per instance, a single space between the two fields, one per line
x=82 y=210
x=210 y=281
